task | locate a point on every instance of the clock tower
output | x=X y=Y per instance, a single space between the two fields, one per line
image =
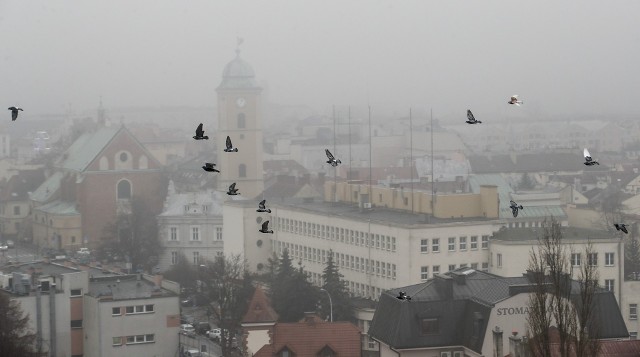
x=239 y=118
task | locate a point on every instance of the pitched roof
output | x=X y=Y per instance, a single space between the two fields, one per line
x=460 y=298
x=48 y=188
x=309 y=336
x=260 y=309
x=85 y=149
x=538 y=162
x=19 y=186
x=61 y=208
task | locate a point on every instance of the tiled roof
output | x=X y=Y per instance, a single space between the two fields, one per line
x=212 y=199
x=538 y=162
x=48 y=188
x=62 y=208
x=85 y=149
x=260 y=309
x=471 y=294
x=308 y=338
x=18 y=186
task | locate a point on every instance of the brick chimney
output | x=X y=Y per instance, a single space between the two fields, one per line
x=157 y=280
x=497 y=342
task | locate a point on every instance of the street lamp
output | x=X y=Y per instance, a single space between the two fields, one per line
x=330 y=304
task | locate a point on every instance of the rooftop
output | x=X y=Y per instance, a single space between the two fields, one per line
x=85 y=149
x=568 y=233
x=125 y=287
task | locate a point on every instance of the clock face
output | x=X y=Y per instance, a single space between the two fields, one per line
x=241 y=102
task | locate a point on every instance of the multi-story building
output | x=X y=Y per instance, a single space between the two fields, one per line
x=454 y=314
x=15 y=204
x=191 y=226
x=72 y=310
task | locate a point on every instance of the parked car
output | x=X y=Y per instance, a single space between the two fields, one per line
x=214 y=334
x=10 y=243
x=202 y=327
x=4 y=247
x=187 y=330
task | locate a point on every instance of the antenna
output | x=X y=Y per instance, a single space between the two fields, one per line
x=411 y=154
x=433 y=181
x=349 y=125
x=370 y=240
x=335 y=169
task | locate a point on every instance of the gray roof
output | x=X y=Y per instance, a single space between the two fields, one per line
x=62 y=208
x=460 y=299
x=568 y=233
x=175 y=203
x=47 y=269
x=238 y=74
x=48 y=188
x=85 y=149
x=534 y=162
x=125 y=287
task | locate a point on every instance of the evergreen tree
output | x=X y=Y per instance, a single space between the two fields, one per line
x=337 y=289
x=291 y=292
x=15 y=337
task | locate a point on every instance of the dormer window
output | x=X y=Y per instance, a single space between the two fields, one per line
x=205 y=208
x=186 y=208
x=326 y=351
x=285 y=352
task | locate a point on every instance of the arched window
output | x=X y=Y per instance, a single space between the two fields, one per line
x=241 y=121
x=242 y=170
x=124 y=189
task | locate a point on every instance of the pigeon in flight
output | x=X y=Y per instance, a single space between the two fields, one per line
x=230 y=147
x=262 y=208
x=514 y=208
x=403 y=296
x=471 y=119
x=200 y=133
x=265 y=228
x=514 y=100
x=209 y=167
x=621 y=227
x=332 y=160
x=588 y=160
x=14 y=113
x=232 y=190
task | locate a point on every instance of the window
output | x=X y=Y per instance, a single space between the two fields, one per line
x=124 y=189
x=117 y=341
x=435 y=245
x=452 y=244
x=474 y=242
x=499 y=260
x=463 y=265
x=123 y=157
x=173 y=233
x=485 y=266
x=139 y=309
x=76 y=292
x=575 y=259
x=241 y=121
x=430 y=326
x=436 y=270
x=174 y=258
x=424 y=246
x=424 y=273
x=16 y=210
x=474 y=266
x=219 y=233
x=608 y=259
x=633 y=335
x=452 y=267
x=463 y=243
x=116 y=311
x=242 y=170
x=76 y=323
x=196 y=258
x=633 y=311
x=140 y=339
x=608 y=284
x=592 y=259
x=485 y=242
x=195 y=233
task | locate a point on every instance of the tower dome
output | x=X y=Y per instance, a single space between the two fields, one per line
x=238 y=74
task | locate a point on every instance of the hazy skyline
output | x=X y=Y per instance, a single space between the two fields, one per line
x=562 y=58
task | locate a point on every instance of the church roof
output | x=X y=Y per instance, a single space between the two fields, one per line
x=260 y=309
x=238 y=74
x=85 y=149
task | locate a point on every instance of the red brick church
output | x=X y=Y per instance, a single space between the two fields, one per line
x=95 y=178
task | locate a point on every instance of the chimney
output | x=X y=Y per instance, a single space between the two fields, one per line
x=309 y=317
x=515 y=345
x=157 y=280
x=497 y=342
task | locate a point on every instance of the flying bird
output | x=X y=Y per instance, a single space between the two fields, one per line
x=200 y=133
x=262 y=208
x=514 y=100
x=403 y=296
x=265 y=228
x=471 y=119
x=14 y=113
x=621 y=227
x=514 y=208
x=332 y=160
x=209 y=167
x=588 y=160
x=232 y=190
x=230 y=147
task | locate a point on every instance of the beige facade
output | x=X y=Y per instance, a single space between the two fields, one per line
x=55 y=230
x=13 y=217
x=629 y=306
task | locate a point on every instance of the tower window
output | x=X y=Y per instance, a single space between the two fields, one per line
x=242 y=170
x=241 y=121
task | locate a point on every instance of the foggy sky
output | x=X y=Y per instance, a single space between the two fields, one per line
x=562 y=57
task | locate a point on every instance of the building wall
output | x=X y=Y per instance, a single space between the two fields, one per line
x=8 y=217
x=631 y=295
x=256 y=338
x=208 y=247
x=69 y=228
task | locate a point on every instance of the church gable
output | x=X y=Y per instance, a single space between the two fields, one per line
x=123 y=153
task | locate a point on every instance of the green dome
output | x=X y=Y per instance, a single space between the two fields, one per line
x=238 y=74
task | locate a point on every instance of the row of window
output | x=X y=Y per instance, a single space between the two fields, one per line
x=451 y=244
x=355 y=289
x=346 y=261
x=592 y=259
x=132 y=340
x=175 y=257
x=195 y=233
x=342 y=235
x=424 y=270
x=131 y=310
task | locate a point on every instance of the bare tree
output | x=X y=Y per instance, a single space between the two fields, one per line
x=560 y=297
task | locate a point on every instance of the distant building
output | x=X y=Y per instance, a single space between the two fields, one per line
x=15 y=208
x=453 y=314
x=258 y=322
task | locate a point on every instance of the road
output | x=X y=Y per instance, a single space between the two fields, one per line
x=200 y=341
x=19 y=253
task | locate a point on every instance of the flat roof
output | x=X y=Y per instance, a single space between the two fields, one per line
x=568 y=233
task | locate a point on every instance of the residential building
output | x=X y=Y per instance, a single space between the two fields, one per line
x=257 y=322
x=453 y=315
x=363 y=311
x=15 y=207
x=190 y=225
x=629 y=306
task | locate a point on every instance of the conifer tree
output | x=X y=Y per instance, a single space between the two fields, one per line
x=337 y=289
x=291 y=292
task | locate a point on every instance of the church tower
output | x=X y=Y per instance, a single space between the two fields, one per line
x=239 y=118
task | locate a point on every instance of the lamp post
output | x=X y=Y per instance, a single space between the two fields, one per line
x=330 y=304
